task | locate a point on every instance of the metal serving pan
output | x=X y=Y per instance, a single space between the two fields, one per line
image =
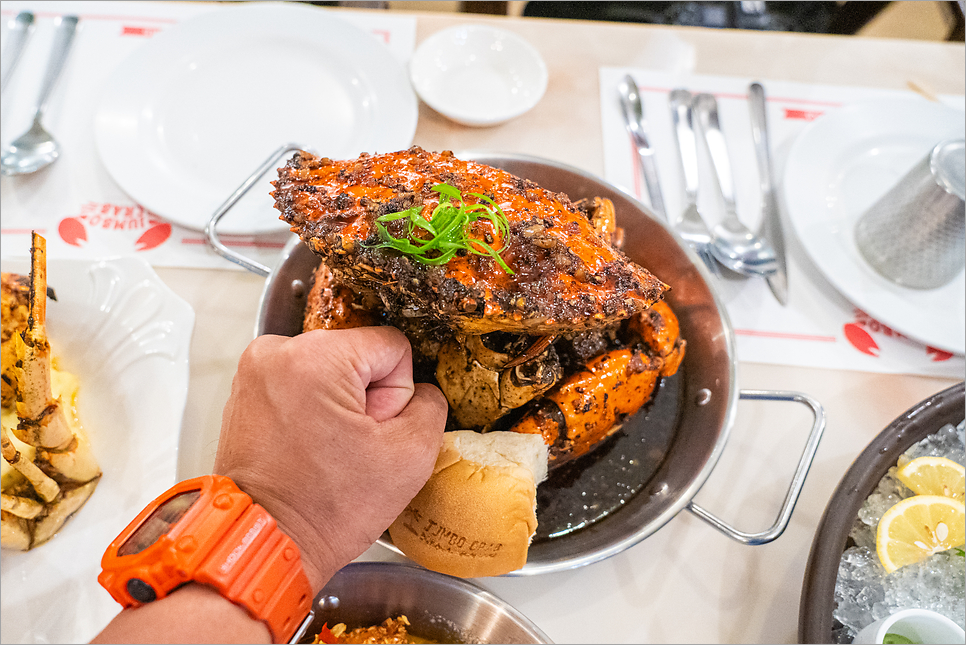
x=706 y=395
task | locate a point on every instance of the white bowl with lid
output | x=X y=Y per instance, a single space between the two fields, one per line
x=478 y=75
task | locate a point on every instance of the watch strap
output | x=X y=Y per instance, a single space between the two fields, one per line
x=258 y=566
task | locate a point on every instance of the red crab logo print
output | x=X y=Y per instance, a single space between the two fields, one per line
x=861 y=339
x=938 y=354
x=153 y=237
x=72 y=231
x=859 y=334
x=96 y=218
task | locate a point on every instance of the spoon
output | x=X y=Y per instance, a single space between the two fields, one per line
x=36 y=148
x=733 y=244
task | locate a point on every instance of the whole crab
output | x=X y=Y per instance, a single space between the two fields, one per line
x=533 y=320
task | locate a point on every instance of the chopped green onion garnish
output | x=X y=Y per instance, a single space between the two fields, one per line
x=447 y=231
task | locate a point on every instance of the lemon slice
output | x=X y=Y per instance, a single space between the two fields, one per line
x=918 y=527
x=934 y=476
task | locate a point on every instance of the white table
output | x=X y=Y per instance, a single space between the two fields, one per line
x=687 y=582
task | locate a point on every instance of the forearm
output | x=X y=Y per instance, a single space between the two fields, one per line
x=193 y=614
x=334 y=469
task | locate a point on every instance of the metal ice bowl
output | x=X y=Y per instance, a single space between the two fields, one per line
x=816 y=622
x=439 y=608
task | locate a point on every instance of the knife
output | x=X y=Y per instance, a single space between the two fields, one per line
x=20 y=29
x=634 y=120
x=771 y=225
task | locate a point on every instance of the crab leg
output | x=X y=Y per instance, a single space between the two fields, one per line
x=590 y=404
x=63 y=472
x=21 y=506
x=658 y=327
x=46 y=487
x=43 y=421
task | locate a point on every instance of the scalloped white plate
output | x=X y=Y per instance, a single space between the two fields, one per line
x=126 y=335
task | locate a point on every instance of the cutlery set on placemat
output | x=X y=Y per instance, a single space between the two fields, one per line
x=729 y=243
x=36 y=148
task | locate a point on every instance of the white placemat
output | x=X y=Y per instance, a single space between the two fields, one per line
x=819 y=328
x=75 y=203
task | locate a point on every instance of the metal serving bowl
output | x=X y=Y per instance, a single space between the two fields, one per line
x=439 y=608
x=707 y=395
x=815 y=620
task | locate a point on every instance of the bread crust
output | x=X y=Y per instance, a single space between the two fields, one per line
x=470 y=520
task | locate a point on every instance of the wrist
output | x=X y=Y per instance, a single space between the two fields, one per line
x=319 y=558
x=208 y=531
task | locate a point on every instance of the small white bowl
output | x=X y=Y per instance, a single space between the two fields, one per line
x=918 y=625
x=478 y=75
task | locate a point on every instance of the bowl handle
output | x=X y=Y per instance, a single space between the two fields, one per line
x=211 y=233
x=791 y=497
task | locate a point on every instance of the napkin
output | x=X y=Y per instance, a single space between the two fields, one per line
x=820 y=327
x=75 y=203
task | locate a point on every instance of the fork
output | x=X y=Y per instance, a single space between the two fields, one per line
x=690 y=225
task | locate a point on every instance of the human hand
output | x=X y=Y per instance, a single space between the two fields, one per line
x=328 y=433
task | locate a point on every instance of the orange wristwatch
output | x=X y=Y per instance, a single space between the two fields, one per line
x=208 y=531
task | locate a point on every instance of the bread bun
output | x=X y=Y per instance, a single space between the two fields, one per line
x=477 y=513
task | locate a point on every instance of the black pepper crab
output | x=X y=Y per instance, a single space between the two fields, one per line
x=518 y=302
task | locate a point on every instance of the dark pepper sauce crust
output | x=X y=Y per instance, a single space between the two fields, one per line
x=566 y=277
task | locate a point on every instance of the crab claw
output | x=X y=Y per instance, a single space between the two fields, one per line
x=481 y=385
x=590 y=405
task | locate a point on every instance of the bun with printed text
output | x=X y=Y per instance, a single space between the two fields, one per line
x=477 y=513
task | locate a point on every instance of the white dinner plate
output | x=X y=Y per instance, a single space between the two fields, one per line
x=126 y=336
x=837 y=168
x=194 y=111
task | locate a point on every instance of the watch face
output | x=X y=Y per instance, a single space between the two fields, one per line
x=159 y=523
